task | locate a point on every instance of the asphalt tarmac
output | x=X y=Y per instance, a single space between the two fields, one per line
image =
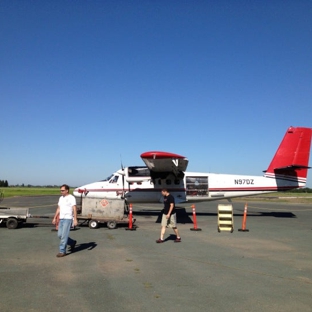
x=268 y=268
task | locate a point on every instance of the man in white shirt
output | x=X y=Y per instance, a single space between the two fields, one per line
x=67 y=211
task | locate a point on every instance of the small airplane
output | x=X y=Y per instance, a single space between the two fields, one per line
x=137 y=184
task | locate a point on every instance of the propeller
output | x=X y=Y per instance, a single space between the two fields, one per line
x=126 y=208
x=123 y=178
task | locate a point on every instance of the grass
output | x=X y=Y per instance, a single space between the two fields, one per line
x=29 y=191
x=295 y=197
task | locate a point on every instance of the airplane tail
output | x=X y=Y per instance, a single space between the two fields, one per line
x=291 y=159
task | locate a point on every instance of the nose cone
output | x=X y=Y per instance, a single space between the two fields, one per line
x=79 y=191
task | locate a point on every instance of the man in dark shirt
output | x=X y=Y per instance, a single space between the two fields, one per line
x=169 y=217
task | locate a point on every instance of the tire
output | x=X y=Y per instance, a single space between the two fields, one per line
x=93 y=224
x=111 y=225
x=12 y=223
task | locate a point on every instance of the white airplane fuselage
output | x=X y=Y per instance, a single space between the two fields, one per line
x=194 y=186
x=287 y=170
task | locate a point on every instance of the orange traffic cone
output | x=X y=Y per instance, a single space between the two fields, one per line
x=243 y=229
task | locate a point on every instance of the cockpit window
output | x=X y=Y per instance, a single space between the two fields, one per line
x=108 y=178
x=114 y=179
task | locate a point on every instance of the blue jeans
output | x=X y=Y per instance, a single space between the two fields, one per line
x=63 y=234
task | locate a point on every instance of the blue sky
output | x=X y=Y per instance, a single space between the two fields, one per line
x=85 y=85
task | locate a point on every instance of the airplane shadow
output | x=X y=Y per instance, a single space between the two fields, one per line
x=39 y=224
x=182 y=216
x=275 y=214
x=186 y=217
x=30 y=225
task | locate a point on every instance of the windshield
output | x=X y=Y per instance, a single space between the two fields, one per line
x=108 y=178
x=114 y=179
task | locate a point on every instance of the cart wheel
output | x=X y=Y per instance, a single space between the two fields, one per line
x=219 y=229
x=232 y=230
x=11 y=223
x=111 y=224
x=93 y=224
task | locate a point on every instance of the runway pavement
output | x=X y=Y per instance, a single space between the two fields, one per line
x=268 y=268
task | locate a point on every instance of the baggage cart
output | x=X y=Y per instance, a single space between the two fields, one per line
x=13 y=217
x=96 y=211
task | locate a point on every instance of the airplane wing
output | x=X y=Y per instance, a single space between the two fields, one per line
x=164 y=162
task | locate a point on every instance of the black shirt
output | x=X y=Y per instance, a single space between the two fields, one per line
x=167 y=201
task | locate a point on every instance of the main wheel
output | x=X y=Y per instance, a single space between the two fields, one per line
x=12 y=223
x=93 y=224
x=111 y=224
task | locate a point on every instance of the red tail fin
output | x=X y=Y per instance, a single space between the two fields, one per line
x=291 y=160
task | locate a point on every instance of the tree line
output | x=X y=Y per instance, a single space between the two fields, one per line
x=302 y=190
x=4 y=183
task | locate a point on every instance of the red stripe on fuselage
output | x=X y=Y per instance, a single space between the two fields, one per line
x=226 y=189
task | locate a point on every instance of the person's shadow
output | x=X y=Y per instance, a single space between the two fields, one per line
x=84 y=246
x=171 y=237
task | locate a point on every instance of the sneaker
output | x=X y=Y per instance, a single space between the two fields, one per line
x=159 y=241
x=72 y=246
x=177 y=240
x=60 y=254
